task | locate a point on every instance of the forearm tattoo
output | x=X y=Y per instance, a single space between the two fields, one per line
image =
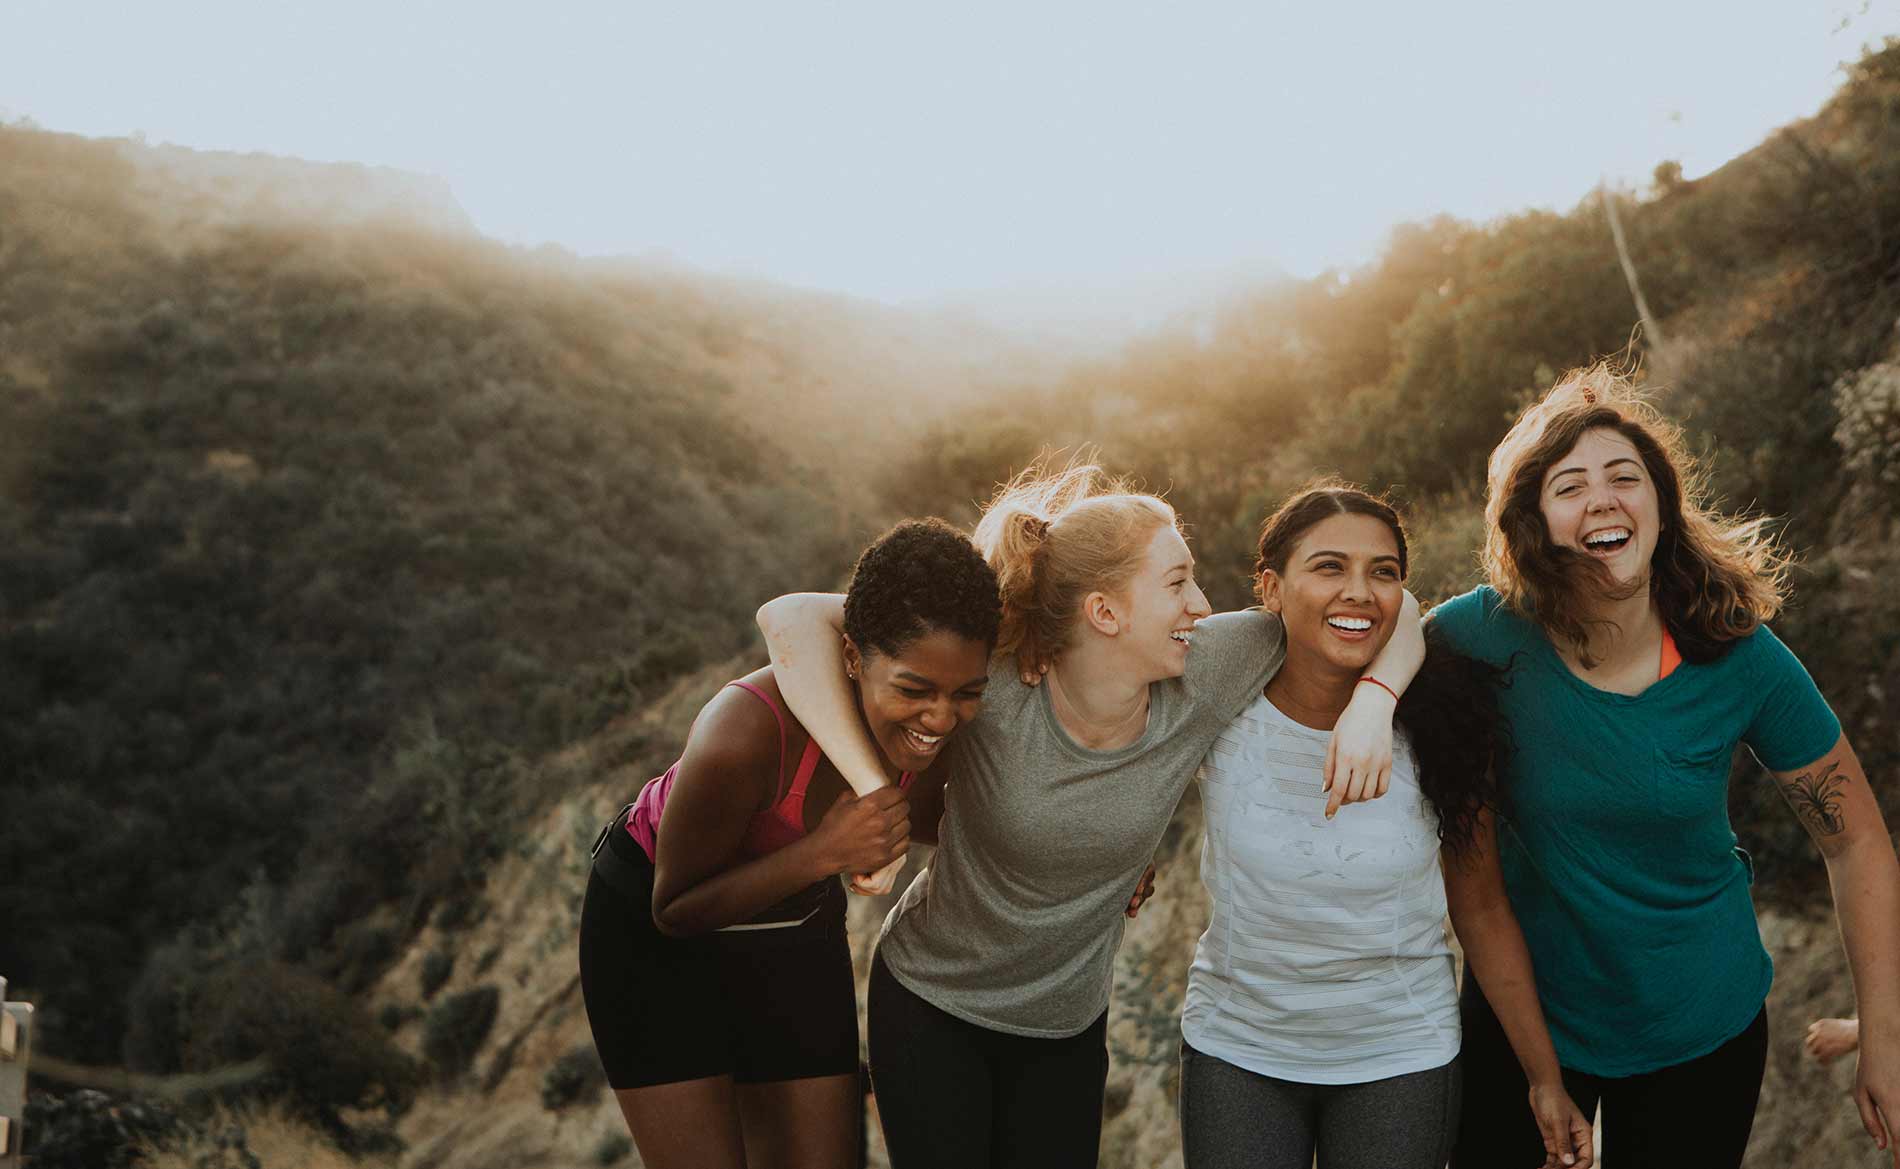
x=1816 y=797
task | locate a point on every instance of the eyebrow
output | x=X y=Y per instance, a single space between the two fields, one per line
x=911 y=676
x=1346 y=556
x=1183 y=566
x=1606 y=466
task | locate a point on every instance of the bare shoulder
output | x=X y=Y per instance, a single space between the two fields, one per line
x=737 y=735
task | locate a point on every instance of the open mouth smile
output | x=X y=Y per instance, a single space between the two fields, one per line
x=1350 y=628
x=1607 y=541
x=921 y=743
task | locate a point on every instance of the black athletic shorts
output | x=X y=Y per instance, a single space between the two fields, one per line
x=756 y=1004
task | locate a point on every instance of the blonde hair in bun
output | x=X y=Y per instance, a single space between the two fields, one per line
x=1055 y=535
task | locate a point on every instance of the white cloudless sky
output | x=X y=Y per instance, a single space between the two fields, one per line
x=907 y=151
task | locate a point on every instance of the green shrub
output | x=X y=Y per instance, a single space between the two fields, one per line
x=612 y=1148
x=457 y=1027
x=321 y=1050
x=573 y=1078
x=1869 y=430
x=437 y=965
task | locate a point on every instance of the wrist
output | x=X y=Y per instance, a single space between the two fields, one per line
x=1545 y=1077
x=1369 y=686
x=814 y=858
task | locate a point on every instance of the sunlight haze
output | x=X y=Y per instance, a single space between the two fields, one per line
x=944 y=154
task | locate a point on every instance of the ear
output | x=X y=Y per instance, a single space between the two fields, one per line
x=1270 y=590
x=853 y=660
x=1099 y=612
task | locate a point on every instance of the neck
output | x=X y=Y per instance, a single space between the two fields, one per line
x=1619 y=628
x=1311 y=693
x=891 y=770
x=1098 y=705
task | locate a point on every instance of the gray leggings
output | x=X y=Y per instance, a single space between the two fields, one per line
x=1233 y=1118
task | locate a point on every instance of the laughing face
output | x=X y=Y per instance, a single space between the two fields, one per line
x=1340 y=592
x=913 y=699
x=1598 y=499
x=1156 y=611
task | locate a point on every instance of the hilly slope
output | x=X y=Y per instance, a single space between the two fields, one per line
x=320 y=515
x=351 y=571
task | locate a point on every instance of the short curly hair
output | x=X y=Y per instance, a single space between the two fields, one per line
x=920 y=577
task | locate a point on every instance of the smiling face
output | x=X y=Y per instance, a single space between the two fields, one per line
x=1154 y=613
x=1339 y=594
x=913 y=699
x=1599 y=499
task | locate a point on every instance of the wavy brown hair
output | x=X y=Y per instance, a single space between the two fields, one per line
x=1054 y=536
x=1713 y=578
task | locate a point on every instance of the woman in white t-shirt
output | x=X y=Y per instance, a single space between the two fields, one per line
x=1322 y=1011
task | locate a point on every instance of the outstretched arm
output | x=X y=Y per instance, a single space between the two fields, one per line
x=804 y=634
x=1495 y=953
x=1359 y=759
x=1836 y=806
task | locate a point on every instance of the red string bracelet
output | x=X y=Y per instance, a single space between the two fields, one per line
x=1381 y=685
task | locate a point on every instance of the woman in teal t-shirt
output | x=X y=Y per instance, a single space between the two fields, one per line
x=1632 y=618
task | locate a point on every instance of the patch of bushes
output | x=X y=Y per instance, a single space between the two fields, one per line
x=458 y=1026
x=91 y=1130
x=321 y=1050
x=437 y=965
x=575 y=1077
x=612 y=1148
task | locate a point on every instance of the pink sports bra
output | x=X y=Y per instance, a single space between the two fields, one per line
x=770 y=830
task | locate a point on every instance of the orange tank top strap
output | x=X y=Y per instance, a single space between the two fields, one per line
x=1671 y=656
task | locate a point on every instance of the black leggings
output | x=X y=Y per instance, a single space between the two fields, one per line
x=953 y=1094
x=1694 y=1113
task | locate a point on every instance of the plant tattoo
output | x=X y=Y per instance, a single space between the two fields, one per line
x=1816 y=798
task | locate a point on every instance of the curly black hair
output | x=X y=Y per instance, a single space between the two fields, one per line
x=1459 y=737
x=917 y=578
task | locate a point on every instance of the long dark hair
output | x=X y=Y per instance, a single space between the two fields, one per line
x=1459 y=738
x=1450 y=711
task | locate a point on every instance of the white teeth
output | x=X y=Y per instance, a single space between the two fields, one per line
x=923 y=739
x=1184 y=636
x=1356 y=624
x=1607 y=536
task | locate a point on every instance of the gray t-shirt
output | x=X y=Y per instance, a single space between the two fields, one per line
x=1015 y=924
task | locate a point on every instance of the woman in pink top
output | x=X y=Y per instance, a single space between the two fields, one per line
x=713 y=958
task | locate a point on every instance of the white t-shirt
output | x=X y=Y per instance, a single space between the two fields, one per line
x=1325 y=961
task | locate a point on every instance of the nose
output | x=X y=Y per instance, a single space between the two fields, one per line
x=1197 y=601
x=1358 y=587
x=940 y=717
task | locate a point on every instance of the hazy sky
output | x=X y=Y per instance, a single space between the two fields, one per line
x=905 y=150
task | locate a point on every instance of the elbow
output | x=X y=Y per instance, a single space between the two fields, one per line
x=770 y=617
x=672 y=922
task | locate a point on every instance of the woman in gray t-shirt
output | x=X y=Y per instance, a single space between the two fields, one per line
x=989 y=993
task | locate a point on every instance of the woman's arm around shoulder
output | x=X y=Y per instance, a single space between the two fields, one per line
x=1359 y=758
x=804 y=634
x=1477 y=624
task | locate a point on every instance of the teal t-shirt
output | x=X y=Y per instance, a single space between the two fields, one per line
x=1618 y=856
